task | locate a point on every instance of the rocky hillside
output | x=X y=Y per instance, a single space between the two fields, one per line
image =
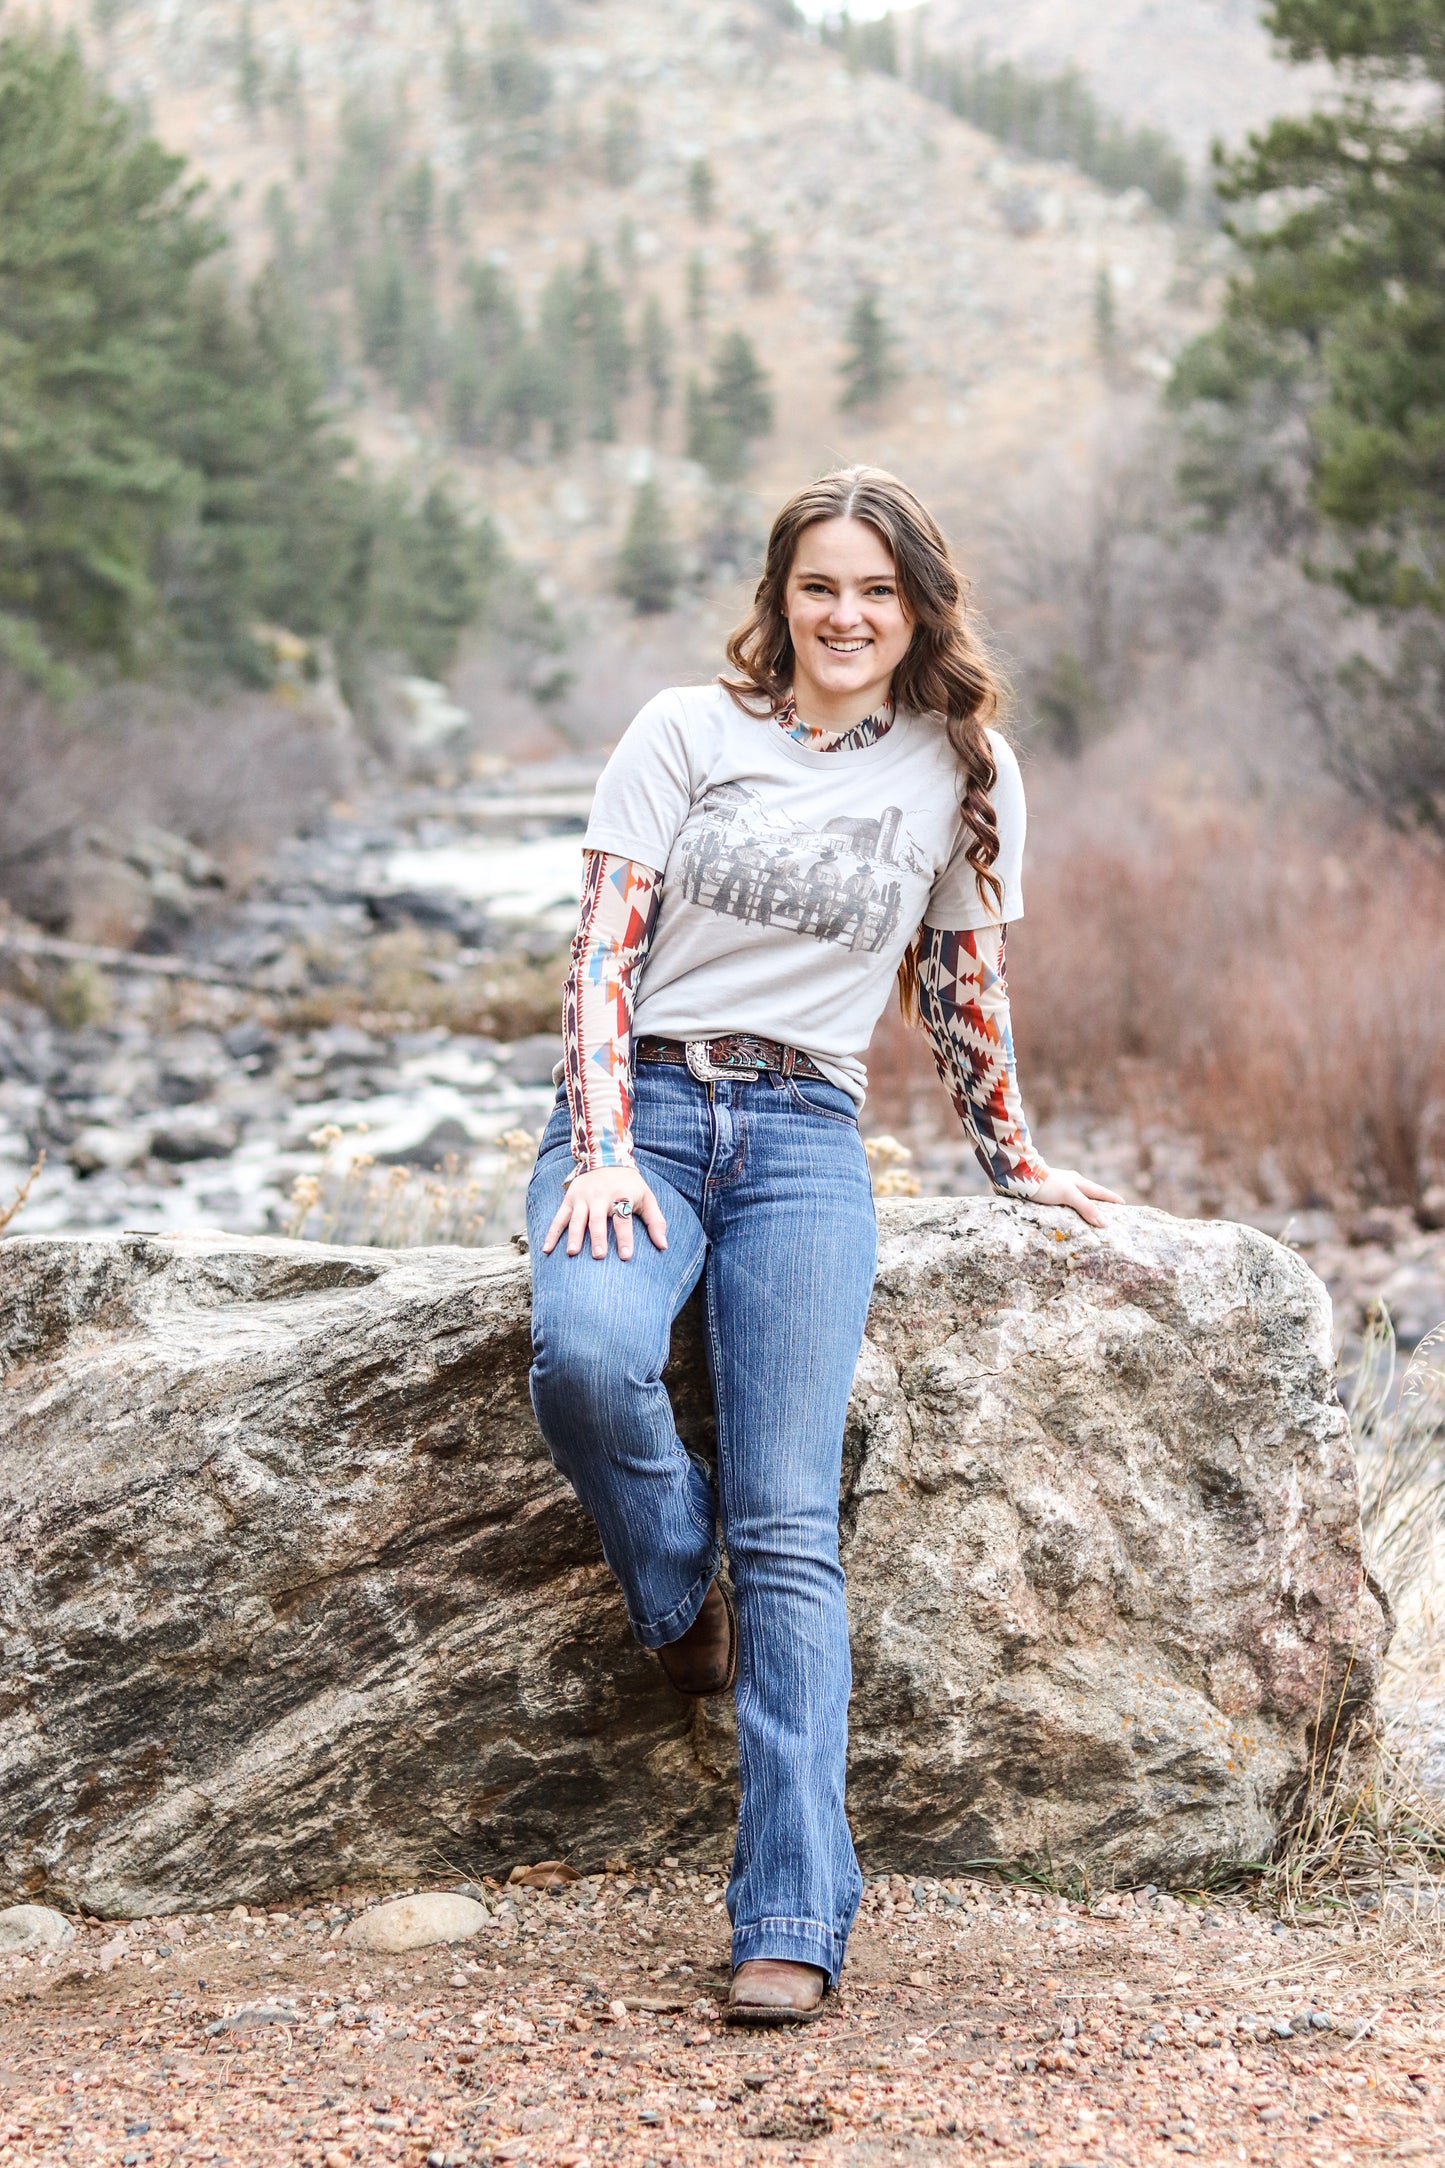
x=1195 y=68
x=587 y=125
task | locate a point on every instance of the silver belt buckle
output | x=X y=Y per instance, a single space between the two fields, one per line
x=705 y=1071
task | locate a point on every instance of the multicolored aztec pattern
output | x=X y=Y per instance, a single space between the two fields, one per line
x=868 y=732
x=614 y=930
x=963 y=1001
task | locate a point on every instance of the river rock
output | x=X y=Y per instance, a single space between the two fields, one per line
x=33 y=1927
x=290 y=1593
x=416 y=1923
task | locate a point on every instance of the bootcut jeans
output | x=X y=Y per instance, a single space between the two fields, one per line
x=765 y=1189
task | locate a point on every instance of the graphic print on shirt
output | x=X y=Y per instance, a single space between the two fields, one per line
x=738 y=856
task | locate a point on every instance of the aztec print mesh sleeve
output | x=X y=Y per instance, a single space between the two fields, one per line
x=619 y=910
x=963 y=1001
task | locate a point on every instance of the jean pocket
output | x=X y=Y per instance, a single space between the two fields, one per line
x=825 y=1100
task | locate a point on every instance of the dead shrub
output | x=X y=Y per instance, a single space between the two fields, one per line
x=1280 y=999
x=230 y=776
x=1274 y=988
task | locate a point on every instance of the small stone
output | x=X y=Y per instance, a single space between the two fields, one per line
x=416 y=1923
x=33 y=1927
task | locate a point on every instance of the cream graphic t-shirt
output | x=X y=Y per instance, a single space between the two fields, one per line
x=792 y=879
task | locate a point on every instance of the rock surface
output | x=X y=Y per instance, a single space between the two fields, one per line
x=290 y=1592
x=33 y=1927
x=417 y=1923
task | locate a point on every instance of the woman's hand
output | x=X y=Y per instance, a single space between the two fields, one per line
x=1075 y=1190
x=587 y=1203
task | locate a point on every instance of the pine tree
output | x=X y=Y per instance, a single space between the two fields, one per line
x=168 y=472
x=697 y=295
x=760 y=260
x=657 y=358
x=1316 y=408
x=428 y=575
x=701 y=190
x=250 y=71
x=869 y=370
x=1106 y=316
x=604 y=353
x=725 y=420
x=622 y=143
x=273 y=530
x=647 y=573
x=99 y=238
x=485 y=370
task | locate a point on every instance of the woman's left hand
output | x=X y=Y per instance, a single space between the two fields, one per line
x=1077 y=1192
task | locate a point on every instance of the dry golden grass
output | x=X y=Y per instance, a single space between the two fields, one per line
x=395 y=1208
x=12 y=1211
x=1368 y=1840
x=411 y=981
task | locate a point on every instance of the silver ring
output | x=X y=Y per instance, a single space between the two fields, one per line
x=622 y=1208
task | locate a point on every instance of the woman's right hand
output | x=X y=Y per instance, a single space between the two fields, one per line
x=588 y=1202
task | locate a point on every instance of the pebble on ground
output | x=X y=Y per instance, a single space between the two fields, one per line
x=580 y=2025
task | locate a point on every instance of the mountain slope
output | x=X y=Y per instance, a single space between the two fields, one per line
x=988 y=268
x=1195 y=68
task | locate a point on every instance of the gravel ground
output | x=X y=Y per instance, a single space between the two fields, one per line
x=975 y=2022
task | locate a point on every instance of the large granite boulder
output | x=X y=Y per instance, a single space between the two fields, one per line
x=290 y=1592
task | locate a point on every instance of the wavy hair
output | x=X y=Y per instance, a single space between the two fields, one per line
x=946 y=673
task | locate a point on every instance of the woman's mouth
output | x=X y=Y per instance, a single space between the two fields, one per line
x=846 y=647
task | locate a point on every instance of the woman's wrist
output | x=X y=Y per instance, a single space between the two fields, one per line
x=596 y=1164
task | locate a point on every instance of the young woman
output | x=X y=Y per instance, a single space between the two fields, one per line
x=764 y=855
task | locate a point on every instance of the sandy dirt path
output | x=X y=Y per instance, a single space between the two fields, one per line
x=975 y=2023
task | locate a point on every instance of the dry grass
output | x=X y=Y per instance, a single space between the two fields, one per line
x=1368 y=1841
x=10 y=1212
x=394 y=1208
x=409 y=980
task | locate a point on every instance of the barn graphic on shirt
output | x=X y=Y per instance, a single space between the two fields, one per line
x=842 y=882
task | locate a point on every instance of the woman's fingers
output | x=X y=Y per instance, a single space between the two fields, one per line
x=1077 y=1194
x=1096 y=1189
x=576 y=1222
x=560 y=1218
x=1078 y=1202
x=590 y=1204
x=649 y=1211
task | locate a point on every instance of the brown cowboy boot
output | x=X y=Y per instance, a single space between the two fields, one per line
x=775 y=1991
x=704 y=1660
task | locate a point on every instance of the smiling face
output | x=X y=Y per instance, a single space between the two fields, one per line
x=849 y=625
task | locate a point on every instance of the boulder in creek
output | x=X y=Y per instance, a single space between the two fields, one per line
x=290 y=1593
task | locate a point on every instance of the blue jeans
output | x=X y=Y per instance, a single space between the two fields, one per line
x=765 y=1190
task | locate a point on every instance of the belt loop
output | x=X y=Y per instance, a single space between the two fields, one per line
x=790 y=1056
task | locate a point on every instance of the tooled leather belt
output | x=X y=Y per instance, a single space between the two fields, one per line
x=706 y=1058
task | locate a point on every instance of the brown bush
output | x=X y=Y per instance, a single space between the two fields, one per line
x=1274 y=987
x=230 y=776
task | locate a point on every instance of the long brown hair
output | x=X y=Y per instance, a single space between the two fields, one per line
x=946 y=672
